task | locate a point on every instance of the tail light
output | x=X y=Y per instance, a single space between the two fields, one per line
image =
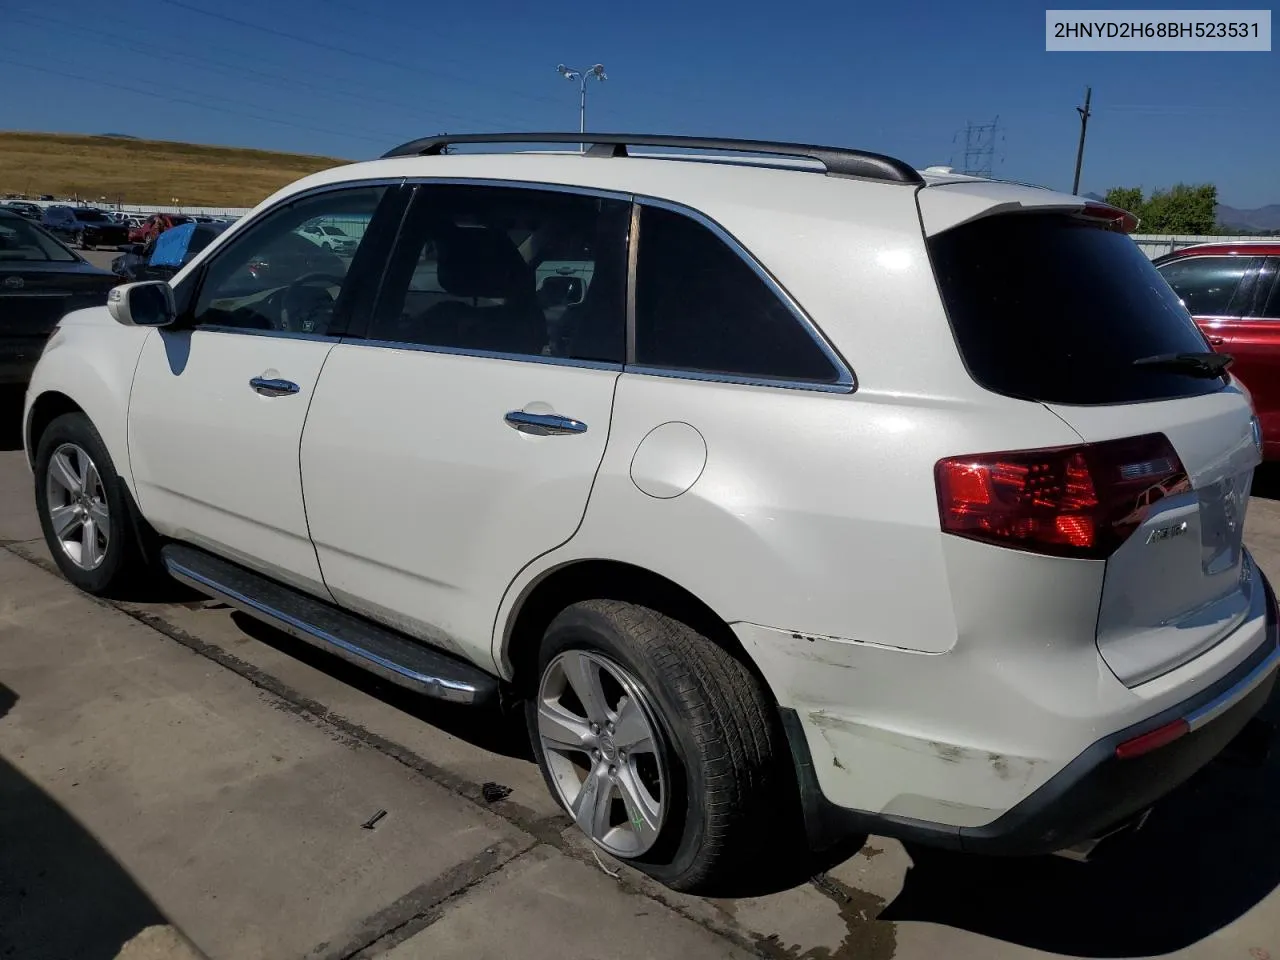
x=1079 y=501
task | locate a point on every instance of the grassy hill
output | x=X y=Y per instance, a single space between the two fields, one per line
x=146 y=171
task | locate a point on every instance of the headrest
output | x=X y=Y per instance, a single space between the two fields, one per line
x=482 y=262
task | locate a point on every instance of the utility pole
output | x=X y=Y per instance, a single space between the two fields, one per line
x=1084 y=125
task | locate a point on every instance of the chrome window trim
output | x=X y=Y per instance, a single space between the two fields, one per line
x=745 y=381
x=421 y=181
x=257 y=332
x=845 y=381
x=482 y=354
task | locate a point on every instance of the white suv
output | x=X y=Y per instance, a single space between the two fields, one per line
x=796 y=483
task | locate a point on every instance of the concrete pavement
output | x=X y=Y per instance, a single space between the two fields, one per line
x=170 y=770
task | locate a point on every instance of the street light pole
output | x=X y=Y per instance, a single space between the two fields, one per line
x=582 y=76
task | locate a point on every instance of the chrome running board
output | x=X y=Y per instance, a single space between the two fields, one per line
x=390 y=655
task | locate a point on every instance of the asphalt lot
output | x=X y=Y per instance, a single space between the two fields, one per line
x=172 y=770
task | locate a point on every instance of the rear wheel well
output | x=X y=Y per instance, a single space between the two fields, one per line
x=610 y=580
x=47 y=408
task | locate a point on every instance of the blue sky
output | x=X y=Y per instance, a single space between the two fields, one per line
x=900 y=78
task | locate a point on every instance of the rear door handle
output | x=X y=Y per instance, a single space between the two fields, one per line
x=1217 y=341
x=544 y=424
x=273 y=386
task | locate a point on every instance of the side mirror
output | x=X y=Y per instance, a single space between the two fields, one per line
x=147 y=304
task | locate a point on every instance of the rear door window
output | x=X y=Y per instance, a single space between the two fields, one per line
x=701 y=308
x=1049 y=307
x=1208 y=285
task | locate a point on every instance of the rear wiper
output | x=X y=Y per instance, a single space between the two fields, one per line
x=1192 y=364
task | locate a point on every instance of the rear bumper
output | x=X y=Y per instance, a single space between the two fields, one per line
x=1091 y=795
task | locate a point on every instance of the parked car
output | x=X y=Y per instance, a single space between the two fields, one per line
x=329 y=237
x=155 y=225
x=24 y=208
x=1232 y=292
x=136 y=263
x=40 y=280
x=85 y=227
x=842 y=499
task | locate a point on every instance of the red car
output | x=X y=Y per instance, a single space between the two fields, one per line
x=155 y=225
x=1231 y=290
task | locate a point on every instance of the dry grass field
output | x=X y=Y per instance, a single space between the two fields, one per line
x=145 y=171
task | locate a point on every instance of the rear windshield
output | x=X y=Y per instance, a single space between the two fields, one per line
x=1050 y=308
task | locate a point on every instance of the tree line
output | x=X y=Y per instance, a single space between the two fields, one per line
x=1183 y=209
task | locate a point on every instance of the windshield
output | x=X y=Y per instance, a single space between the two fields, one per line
x=91 y=216
x=1051 y=308
x=22 y=240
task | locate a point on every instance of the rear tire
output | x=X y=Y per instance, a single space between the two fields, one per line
x=721 y=767
x=83 y=509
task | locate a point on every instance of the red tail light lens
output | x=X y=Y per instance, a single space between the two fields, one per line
x=1160 y=737
x=1081 y=501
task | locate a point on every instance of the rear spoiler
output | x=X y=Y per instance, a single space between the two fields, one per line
x=950 y=204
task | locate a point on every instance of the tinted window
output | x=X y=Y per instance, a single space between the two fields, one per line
x=1206 y=285
x=529 y=272
x=92 y=216
x=1050 y=308
x=272 y=278
x=700 y=307
x=19 y=240
x=1268 y=301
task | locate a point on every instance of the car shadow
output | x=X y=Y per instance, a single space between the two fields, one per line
x=1209 y=853
x=11 y=417
x=61 y=893
x=495 y=730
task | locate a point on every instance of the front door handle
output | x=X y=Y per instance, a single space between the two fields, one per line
x=544 y=424
x=273 y=386
x=1217 y=341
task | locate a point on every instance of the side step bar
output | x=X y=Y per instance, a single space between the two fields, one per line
x=390 y=655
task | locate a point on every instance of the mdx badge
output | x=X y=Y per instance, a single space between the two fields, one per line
x=1167 y=532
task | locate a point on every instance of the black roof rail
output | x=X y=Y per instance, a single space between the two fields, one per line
x=837 y=161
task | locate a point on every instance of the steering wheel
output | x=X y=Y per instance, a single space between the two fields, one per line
x=302 y=299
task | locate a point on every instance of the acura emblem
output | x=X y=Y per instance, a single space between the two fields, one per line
x=14 y=283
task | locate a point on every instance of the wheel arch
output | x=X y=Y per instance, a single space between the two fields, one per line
x=86 y=367
x=46 y=408
x=588 y=579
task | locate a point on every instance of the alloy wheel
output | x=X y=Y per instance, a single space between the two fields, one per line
x=604 y=751
x=77 y=504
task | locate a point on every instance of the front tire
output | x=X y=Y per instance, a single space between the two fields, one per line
x=663 y=748
x=82 y=507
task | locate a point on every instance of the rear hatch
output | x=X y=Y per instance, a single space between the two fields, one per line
x=1049 y=301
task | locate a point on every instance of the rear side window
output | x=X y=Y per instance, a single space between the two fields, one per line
x=1050 y=308
x=700 y=307
x=1206 y=285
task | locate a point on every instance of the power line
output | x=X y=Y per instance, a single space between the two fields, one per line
x=191 y=103
x=268 y=77
x=416 y=69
